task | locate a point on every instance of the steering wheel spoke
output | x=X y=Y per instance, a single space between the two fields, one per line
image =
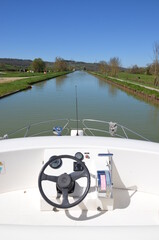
x=49 y=178
x=65 y=201
x=77 y=175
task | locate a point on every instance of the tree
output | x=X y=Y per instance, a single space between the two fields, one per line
x=103 y=67
x=156 y=58
x=156 y=63
x=115 y=64
x=60 y=65
x=38 y=65
x=137 y=70
x=134 y=69
x=148 y=69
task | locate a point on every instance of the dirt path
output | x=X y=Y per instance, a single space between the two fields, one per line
x=10 y=79
x=137 y=84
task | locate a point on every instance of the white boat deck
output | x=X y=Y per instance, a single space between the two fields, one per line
x=135 y=213
x=131 y=208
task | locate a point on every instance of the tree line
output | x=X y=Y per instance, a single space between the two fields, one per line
x=60 y=65
x=114 y=66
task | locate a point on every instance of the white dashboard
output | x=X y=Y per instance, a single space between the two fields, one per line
x=99 y=165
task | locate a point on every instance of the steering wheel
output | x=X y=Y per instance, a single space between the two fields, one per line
x=65 y=182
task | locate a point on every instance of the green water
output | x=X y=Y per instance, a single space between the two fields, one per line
x=55 y=99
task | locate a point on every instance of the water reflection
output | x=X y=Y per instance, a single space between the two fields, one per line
x=60 y=81
x=41 y=85
x=112 y=90
x=101 y=83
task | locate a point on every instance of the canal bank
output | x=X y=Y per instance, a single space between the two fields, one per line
x=150 y=95
x=19 y=84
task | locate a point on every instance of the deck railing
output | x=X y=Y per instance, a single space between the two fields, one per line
x=90 y=127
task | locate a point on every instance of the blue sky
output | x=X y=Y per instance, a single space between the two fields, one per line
x=80 y=30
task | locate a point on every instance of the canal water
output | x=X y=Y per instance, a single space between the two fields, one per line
x=55 y=98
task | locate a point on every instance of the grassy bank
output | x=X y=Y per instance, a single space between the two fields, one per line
x=20 y=74
x=143 y=79
x=19 y=85
x=132 y=87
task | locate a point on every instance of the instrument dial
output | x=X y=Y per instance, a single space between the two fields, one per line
x=56 y=163
x=79 y=156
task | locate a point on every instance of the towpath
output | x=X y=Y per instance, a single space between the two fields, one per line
x=137 y=84
x=10 y=79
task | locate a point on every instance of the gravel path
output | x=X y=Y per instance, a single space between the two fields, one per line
x=137 y=84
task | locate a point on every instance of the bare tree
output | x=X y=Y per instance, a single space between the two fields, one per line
x=60 y=65
x=103 y=67
x=156 y=58
x=156 y=63
x=135 y=69
x=115 y=64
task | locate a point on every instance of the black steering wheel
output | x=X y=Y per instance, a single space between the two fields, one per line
x=65 y=183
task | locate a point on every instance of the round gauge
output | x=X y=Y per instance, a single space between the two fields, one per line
x=56 y=163
x=79 y=156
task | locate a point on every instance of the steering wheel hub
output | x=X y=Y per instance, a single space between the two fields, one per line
x=64 y=181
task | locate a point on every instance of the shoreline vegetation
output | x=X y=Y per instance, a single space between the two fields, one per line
x=141 y=82
x=136 y=87
x=23 y=81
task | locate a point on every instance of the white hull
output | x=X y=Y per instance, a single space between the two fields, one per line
x=135 y=211
x=113 y=233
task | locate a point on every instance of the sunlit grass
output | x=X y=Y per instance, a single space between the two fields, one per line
x=131 y=85
x=144 y=79
x=19 y=85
